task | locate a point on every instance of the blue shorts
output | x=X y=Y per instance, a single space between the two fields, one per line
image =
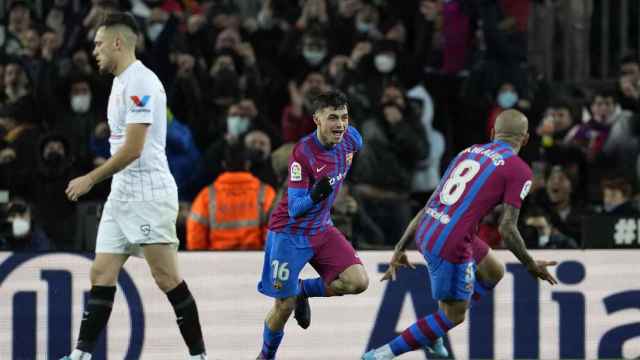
x=450 y=281
x=328 y=252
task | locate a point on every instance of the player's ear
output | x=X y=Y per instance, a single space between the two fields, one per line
x=525 y=140
x=316 y=118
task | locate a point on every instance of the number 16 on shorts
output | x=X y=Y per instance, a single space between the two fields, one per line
x=280 y=273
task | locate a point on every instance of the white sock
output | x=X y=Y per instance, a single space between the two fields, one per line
x=202 y=356
x=383 y=353
x=80 y=355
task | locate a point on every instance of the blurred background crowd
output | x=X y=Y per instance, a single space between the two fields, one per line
x=425 y=79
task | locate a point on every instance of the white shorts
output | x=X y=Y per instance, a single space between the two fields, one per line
x=125 y=225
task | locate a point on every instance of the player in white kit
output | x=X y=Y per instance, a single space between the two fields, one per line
x=139 y=217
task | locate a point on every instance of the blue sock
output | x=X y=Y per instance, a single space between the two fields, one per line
x=313 y=287
x=422 y=333
x=480 y=289
x=271 y=341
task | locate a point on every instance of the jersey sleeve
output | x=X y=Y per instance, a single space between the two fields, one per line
x=141 y=96
x=299 y=198
x=518 y=184
x=354 y=134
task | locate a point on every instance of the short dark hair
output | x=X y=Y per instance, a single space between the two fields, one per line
x=621 y=183
x=120 y=19
x=235 y=157
x=334 y=99
x=629 y=58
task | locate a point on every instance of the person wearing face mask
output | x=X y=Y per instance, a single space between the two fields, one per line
x=506 y=98
x=237 y=123
x=313 y=52
x=385 y=168
x=22 y=234
x=79 y=118
x=51 y=209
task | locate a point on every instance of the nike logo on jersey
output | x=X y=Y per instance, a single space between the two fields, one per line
x=321 y=168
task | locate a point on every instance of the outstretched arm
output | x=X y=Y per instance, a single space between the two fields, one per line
x=513 y=241
x=410 y=231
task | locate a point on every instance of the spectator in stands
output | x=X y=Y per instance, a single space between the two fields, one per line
x=233 y=212
x=385 y=167
x=25 y=234
x=18 y=146
x=629 y=83
x=592 y=135
x=622 y=146
x=238 y=122
x=348 y=216
x=297 y=120
x=258 y=145
x=79 y=118
x=20 y=19
x=617 y=197
x=427 y=174
x=182 y=153
x=557 y=122
x=16 y=82
x=51 y=208
x=542 y=235
x=507 y=97
x=557 y=202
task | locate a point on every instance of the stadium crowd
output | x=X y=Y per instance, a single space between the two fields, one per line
x=425 y=79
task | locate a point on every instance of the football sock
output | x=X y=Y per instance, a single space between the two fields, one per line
x=271 y=341
x=313 y=288
x=480 y=289
x=95 y=317
x=187 y=317
x=422 y=333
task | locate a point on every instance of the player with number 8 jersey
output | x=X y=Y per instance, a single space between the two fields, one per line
x=461 y=266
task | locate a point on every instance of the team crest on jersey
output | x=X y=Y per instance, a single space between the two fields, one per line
x=296 y=171
x=349 y=158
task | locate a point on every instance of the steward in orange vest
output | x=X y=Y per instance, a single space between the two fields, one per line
x=233 y=212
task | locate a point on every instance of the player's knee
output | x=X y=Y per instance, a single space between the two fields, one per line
x=359 y=284
x=165 y=279
x=285 y=306
x=497 y=273
x=101 y=276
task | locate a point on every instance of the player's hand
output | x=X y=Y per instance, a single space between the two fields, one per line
x=78 y=187
x=399 y=260
x=538 y=269
x=321 y=190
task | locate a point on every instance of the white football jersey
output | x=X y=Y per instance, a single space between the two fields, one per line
x=137 y=96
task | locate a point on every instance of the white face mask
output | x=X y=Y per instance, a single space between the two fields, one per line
x=363 y=27
x=154 y=30
x=314 y=57
x=384 y=63
x=80 y=103
x=237 y=125
x=20 y=227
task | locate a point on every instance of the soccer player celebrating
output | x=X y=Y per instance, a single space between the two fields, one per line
x=479 y=178
x=139 y=217
x=300 y=229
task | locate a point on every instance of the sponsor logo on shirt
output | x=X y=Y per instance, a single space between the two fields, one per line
x=296 y=171
x=442 y=217
x=140 y=103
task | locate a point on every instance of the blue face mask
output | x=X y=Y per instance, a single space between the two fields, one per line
x=507 y=99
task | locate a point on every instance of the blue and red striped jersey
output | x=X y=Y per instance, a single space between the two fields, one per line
x=309 y=162
x=478 y=179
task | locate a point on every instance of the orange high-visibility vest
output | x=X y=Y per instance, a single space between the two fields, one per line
x=230 y=214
